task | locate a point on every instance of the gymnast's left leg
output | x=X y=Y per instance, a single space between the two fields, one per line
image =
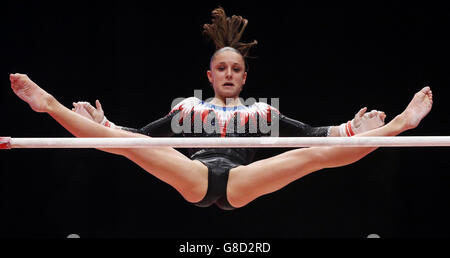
x=247 y=183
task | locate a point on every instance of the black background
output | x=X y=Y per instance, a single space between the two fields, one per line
x=324 y=63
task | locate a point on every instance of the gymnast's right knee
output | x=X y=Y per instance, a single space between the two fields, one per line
x=194 y=194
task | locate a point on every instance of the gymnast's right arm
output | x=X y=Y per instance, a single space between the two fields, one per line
x=43 y=102
x=159 y=128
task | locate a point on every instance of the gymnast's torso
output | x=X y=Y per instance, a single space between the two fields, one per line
x=193 y=117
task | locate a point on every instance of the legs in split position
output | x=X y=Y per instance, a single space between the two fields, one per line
x=247 y=183
x=189 y=177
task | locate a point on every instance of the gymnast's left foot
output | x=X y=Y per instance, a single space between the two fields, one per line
x=418 y=108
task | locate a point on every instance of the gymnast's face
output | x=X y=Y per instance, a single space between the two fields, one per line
x=227 y=74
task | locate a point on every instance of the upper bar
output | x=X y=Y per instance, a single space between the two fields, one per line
x=229 y=142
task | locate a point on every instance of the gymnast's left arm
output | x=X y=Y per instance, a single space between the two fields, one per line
x=362 y=122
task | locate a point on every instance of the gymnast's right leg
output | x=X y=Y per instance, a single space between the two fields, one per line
x=189 y=178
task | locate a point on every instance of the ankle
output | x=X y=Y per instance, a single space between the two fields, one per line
x=400 y=123
x=49 y=103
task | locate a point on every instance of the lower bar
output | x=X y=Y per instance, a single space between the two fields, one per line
x=229 y=142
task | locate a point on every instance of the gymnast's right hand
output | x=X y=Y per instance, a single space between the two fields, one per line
x=87 y=110
x=30 y=92
x=95 y=114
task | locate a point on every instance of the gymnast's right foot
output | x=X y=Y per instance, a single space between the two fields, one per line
x=30 y=92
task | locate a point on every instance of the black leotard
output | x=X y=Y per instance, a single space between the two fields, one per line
x=216 y=121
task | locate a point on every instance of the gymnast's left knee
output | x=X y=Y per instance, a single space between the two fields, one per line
x=237 y=198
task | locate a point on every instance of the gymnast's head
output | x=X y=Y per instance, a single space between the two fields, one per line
x=228 y=65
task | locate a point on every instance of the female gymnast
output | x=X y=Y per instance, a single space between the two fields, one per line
x=225 y=176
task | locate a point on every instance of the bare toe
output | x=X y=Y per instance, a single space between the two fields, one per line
x=419 y=107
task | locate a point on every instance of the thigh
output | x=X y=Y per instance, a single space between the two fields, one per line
x=188 y=177
x=247 y=183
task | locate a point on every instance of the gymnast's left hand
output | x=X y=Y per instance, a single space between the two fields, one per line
x=364 y=122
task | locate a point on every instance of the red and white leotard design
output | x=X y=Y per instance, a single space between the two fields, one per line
x=193 y=107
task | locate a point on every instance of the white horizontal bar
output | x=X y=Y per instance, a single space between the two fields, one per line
x=229 y=142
